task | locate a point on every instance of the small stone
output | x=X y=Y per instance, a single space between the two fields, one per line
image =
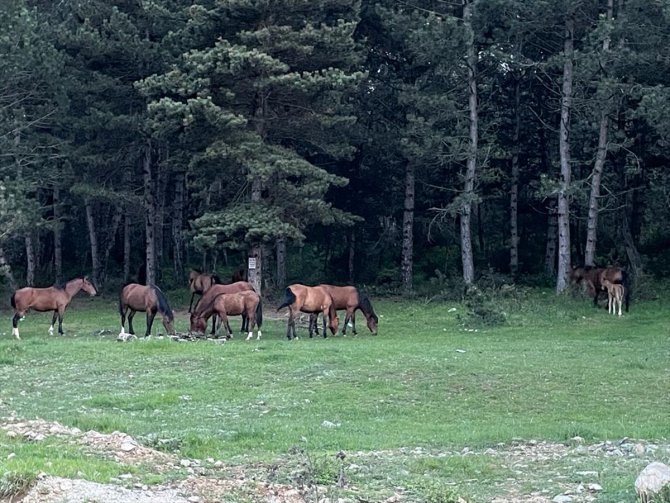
x=639 y=450
x=185 y=463
x=194 y=499
x=329 y=424
x=218 y=464
x=127 y=446
x=577 y=440
x=126 y=476
x=11 y=455
x=595 y=487
x=562 y=498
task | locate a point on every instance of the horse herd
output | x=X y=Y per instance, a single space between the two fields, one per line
x=217 y=300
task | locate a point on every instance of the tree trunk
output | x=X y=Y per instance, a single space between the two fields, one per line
x=514 y=186
x=552 y=237
x=6 y=270
x=30 y=259
x=58 y=237
x=407 y=260
x=255 y=259
x=111 y=240
x=352 y=255
x=471 y=165
x=162 y=178
x=93 y=239
x=596 y=175
x=150 y=216
x=126 y=246
x=177 y=224
x=281 y=263
x=564 y=151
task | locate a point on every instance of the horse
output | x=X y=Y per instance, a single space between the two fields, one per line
x=594 y=277
x=247 y=303
x=615 y=295
x=309 y=299
x=199 y=283
x=218 y=289
x=348 y=298
x=149 y=298
x=55 y=298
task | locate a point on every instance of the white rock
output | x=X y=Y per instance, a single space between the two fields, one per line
x=595 y=487
x=562 y=498
x=185 y=462
x=194 y=499
x=127 y=446
x=651 y=480
x=328 y=424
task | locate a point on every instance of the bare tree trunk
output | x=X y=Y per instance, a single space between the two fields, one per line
x=126 y=246
x=552 y=237
x=596 y=175
x=564 y=151
x=471 y=165
x=58 y=237
x=255 y=259
x=177 y=224
x=514 y=186
x=162 y=178
x=30 y=259
x=352 y=255
x=111 y=240
x=407 y=260
x=93 y=239
x=6 y=269
x=150 y=216
x=281 y=262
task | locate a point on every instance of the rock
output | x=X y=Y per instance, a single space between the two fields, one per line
x=595 y=487
x=651 y=480
x=328 y=424
x=194 y=499
x=185 y=462
x=128 y=446
x=562 y=498
x=577 y=440
x=639 y=450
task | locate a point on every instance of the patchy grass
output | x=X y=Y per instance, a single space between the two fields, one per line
x=555 y=369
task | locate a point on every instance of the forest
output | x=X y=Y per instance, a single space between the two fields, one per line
x=400 y=145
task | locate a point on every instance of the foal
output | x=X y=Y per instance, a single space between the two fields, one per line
x=615 y=294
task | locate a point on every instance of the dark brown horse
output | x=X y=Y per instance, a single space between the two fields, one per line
x=348 y=298
x=55 y=298
x=247 y=303
x=148 y=298
x=199 y=283
x=594 y=277
x=309 y=299
x=218 y=289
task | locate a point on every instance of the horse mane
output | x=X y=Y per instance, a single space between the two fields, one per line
x=216 y=280
x=366 y=306
x=163 y=305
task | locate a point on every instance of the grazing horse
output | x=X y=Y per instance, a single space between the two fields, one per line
x=594 y=277
x=348 y=297
x=309 y=299
x=615 y=295
x=247 y=303
x=218 y=289
x=199 y=283
x=149 y=298
x=55 y=298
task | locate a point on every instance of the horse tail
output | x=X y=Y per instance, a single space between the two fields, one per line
x=259 y=313
x=366 y=306
x=625 y=281
x=163 y=305
x=289 y=298
x=13 y=300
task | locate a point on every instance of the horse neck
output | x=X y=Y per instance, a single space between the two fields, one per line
x=72 y=287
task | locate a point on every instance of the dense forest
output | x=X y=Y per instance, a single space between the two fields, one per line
x=378 y=142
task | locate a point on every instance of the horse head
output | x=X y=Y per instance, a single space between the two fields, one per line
x=88 y=287
x=334 y=321
x=372 y=323
x=168 y=323
x=198 y=324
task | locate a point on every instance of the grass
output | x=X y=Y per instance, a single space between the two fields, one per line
x=556 y=369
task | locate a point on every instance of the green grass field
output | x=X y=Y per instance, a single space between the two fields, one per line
x=402 y=404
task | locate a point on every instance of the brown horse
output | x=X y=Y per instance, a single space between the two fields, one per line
x=247 y=303
x=149 y=298
x=348 y=298
x=199 y=283
x=218 y=289
x=309 y=299
x=594 y=277
x=55 y=298
x=615 y=295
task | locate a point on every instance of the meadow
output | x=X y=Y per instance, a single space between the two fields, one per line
x=439 y=403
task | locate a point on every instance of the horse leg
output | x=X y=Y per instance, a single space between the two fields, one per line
x=288 y=324
x=353 y=322
x=325 y=316
x=15 y=325
x=245 y=323
x=131 y=315
x=190 y=305
x=53 y=322
x=214 y=325
x=251 y=321
x=61 y=311
x=150 y=321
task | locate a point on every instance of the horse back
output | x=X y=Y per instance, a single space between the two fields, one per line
x=344 y=297
x=139 y=297
x=237 y=303
x=38 y=299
